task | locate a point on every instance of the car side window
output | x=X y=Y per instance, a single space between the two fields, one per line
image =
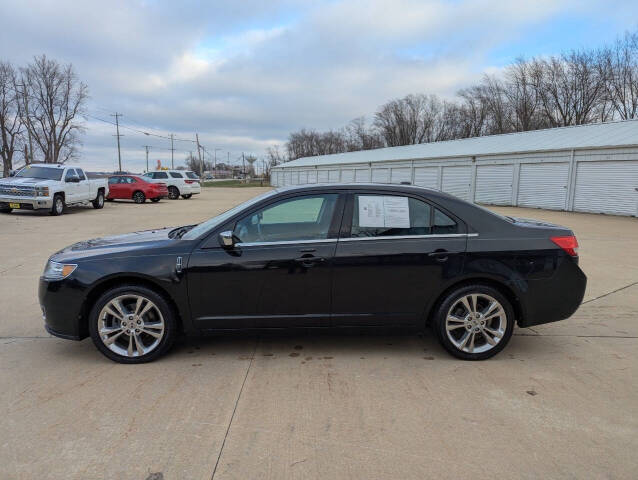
x=176 y=174
x=160 y=175
x=80 y=173
x=393 y=215
x=70 y=173
x=114 y=180
x=300 y=218
x=129 y=180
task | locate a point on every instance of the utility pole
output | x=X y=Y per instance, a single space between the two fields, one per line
x=117 y=129
x=172 y=150
x=215 y=161
x=147 y=147
x=199 y=154
x=243 y=166
x=29 y=159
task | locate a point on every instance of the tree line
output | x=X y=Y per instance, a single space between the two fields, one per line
x=573 y=88
x=41 y=108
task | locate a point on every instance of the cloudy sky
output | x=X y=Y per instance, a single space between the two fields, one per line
x=244 y=73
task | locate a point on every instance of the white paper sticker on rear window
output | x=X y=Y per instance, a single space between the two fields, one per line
x=384 y=211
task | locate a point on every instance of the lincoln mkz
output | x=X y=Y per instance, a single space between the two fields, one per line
x=335 y=256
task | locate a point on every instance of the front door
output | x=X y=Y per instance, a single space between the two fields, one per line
x=278 y=274
x=70 y=187
x=393 y=254
x=84 y=189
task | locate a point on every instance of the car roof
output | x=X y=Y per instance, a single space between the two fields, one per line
x=394 y=187
x=50 y=165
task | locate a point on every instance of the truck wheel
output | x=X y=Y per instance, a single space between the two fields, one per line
x=139 y=197
x=173 y=193
x=99 y=200
x=58 y=205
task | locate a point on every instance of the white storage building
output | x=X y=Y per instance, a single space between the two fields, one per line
x=588 y=168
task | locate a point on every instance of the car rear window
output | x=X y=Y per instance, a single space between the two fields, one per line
x=176 y=175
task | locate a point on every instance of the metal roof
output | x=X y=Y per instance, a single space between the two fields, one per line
x=598 y=135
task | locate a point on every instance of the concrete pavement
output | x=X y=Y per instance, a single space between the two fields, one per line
x=560 y=401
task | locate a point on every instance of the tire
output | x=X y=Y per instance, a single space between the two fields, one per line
x=173 y=193
x=465 y=332
x=160 y=313
x=186 y=197
x=6 y=210
x=58 y=205
x=155 y=200
x=139 y=197
x=99 y=200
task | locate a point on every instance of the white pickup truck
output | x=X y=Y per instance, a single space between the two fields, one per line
x=51 y=186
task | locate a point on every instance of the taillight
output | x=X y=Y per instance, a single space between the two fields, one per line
x=192 y=181
x=569 y=244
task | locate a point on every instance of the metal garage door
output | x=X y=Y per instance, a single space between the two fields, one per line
x=333 y=176
x=399 y=175
x=303 y=177
x=312 y=176
x=457 y=180
x=380 y=175
x=322 y=176
x=543 y=185
x=607 y=187
x=427 y=177
x=347 y=176
x=494 y=184
x=287 y=180
x=362 y=175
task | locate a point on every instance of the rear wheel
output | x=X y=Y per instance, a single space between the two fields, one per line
x=474 y=322
x=132 y=324
x=58 y=205
x=155 y=200
x=99 y=200
x=173 y=193
x=139 y=197
x=186 y=197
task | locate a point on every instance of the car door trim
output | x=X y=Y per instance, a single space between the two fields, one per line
x=286 y=242
x=407 y=237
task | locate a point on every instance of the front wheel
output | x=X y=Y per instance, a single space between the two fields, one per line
x=474 y=322
x=173 y=193
x=58 y=205
x=132 y=324
x=6 y=210
x=99 y=200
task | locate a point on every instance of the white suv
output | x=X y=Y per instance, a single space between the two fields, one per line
x=177 y=181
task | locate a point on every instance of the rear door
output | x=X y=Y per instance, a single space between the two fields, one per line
x=114 y=187
x=393 y=253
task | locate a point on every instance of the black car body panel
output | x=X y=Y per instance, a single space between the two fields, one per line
x=333 y=282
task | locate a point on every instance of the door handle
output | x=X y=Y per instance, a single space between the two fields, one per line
x=439 y=255
x=309 y=261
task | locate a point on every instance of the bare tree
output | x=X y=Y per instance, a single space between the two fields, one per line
x=193 y=163
x=409 y=120
x=523 y=97
x=359 y=137
x=11 y=127
x=56 y=103
x=619 y=66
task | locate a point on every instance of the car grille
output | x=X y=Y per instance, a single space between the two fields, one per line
x=17 y=190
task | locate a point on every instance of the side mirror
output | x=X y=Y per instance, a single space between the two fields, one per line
x=226 y=239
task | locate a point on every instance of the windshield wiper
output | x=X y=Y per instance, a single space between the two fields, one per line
x=179 y=231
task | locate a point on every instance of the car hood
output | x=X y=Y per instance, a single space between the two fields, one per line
x=28 y=182
x=129 y=242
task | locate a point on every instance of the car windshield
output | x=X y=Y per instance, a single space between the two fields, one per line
x=222 y=217
x=45 y=173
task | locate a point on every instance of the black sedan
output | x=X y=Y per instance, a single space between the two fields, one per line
x=313 y=257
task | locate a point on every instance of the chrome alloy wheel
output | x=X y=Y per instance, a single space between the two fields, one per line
x=131 y=325
x=59 y=205
x=476 y=323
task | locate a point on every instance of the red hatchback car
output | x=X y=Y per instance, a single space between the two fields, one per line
x=133 y=187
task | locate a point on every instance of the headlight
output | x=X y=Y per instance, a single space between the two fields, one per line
x=58 y=271
x=42 y=191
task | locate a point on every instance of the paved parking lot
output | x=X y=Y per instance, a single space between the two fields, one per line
x=561 y=401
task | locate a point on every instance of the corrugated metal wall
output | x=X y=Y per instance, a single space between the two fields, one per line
x=596 y=180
